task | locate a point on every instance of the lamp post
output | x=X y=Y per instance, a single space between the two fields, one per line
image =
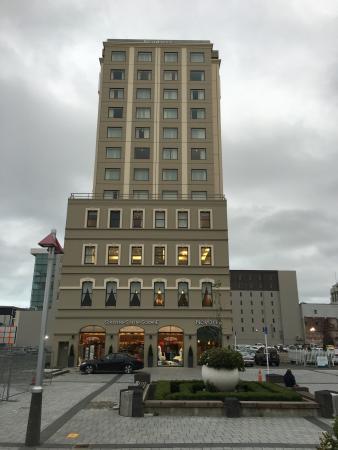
x=34 y=419
x=312 y=330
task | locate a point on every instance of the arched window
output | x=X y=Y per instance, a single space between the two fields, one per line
x=87 y=293
x=207 y=300
x=111 y=293
x=183 y=294
x=135 y=294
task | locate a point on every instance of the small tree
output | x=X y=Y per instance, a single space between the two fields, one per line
x=329 y=441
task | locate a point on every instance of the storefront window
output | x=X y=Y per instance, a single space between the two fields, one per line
x=159 y=293
x=207 y=294
x=131 y=340
x=92 y=342
x=170 y=346
x=135 y=294
x=183 y=294
x=208 y=337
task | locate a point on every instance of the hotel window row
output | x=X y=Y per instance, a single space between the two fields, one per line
x=143 y=174
x=144 y=56
x=147 y=75
x=167 y=133
x=144 y=112
x=135 y=294
x=145 y=94
x=144 y=195
x=168 y=153
x=159 y=255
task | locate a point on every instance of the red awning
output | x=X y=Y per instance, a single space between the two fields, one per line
x=51 y=241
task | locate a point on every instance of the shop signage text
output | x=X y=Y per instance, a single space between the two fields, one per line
x=130 y=322
x=205 y=322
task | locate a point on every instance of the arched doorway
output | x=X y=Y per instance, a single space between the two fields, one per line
x=208 y=337
x=92 y=342
x=170 y=346
x=131 y=340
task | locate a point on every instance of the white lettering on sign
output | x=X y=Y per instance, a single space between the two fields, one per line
x=157 y=42
x=205 y=322
x=131 y=322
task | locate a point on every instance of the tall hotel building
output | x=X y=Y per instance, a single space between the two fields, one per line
x=146 y=266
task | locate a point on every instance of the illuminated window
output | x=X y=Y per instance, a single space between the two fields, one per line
x=113 y=254
x=183 y=294
x=159 y=293
x=136 y=255
x=207 y=300
x=205 y=256
x=182 y=256
x=135 y=294
x=159 y=255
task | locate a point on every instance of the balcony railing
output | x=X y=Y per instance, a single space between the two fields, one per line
x=119 y=196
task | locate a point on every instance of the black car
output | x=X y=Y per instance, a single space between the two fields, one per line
x=114 y=362
x=260 y=356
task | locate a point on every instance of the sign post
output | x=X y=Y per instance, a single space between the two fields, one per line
x=265 y=330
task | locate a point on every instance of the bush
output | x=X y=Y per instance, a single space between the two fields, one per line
x=222 y=358
x=329 y=441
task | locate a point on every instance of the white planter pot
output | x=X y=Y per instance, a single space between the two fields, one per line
x=222 y=379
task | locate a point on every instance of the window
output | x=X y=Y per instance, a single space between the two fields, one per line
x=197 y=94
x=141 y=195
x=197 y=113
x=169 y=174
x=111 y=195
x=113 y=152
x=114 y=132
x=198 y=154
x=143 y=93
x=182 y=256
x=170 y=133
x=169 y=195
x=113 y=256
x=198 y=175
x=135 y=294
x=137 y=219
x=170 y=75
x=115 y=113
x=116 y=93
x=170 y=57
x=141 y=153
x=111 y=293
x=207 y=299
x=118 y=56
x=89 y=254
x=117 y=74
x=205 y=256
x=170 y=113
x=114 y=219
x=183 y=294
x=182 y=219
x=197 y=75
x=159 y=255
x=197 y=57
x=144 y=75
x=143 y=113
x=87 y=293
x=198 y=133
x=141 y=174
x=142 y=133
x=199 y=195
x=159 y=293
x=92 y=215
x=136 y=255
x=170 y=94
x=112 y=174
x=205 y=221
x=144 y=56
x=159 y=219
x=170 y=153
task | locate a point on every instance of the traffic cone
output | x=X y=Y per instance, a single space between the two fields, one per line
x=260 y=376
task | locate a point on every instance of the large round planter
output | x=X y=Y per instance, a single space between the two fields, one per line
x=222 y=379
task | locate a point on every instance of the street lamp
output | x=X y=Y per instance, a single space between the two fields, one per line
x=34 y=419
x=312 y=330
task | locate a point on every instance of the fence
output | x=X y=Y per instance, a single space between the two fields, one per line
x=307 y=357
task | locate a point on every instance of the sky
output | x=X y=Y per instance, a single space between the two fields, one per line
x=279 y=105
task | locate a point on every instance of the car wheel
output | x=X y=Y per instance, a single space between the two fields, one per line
x=128 y=368
x=89 y=370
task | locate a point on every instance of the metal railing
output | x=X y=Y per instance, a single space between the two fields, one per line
x=309 y=357
x=119 y=196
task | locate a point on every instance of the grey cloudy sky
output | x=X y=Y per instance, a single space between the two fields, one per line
x=279 y=77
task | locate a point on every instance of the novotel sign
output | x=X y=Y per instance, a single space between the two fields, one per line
x=200 y=322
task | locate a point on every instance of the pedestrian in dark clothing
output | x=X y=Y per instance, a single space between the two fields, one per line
x=289 y=379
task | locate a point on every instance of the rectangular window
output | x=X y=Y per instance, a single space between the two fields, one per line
x=137 y=219
x=182 y=256
x=112 y=174
x=205 y=219
x=170 y=133
x=89 y=254
x=183 y=294
x=159 y=219
x=141 y=174
x=159 y=293
x=197 y=57
x=170 y=75
x=207 y=296
x=198 y=153
x=115 y=113
x=141 y=153
x=111 y=293
x=144 y=56
x=199 y=195
x=113 y=254
x=197 y=75
x=87 y=293
x=118 y=56
x=112 y=195
x=142 y=133
x=198 y=175
x=114 y=219
x=117 y=74
x=135 y=294
x=170 y=94
x=169 y=174
x=114 y=132
x=92 y=216
x=141 y=195
x=143 y=113
x=116 y=93
x=197 y=94
x=143 y=93
x=198 y=133
x=182 y=219
x=159 y=256
x=170 y=57
x=197 y=113
x=144 y=75
x=170 y=113
x=170 y=153
x=205 y=256
x=113 y=152
x=169 y=195
x=136 y=255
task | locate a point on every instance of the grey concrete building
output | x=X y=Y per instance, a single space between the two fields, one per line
x=334 y=294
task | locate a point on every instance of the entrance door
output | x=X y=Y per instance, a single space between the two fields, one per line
x=62 y=360
x=92 y=343
x=208 y=337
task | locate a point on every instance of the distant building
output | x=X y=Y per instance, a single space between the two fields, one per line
x=334 y=294
x=320 y=323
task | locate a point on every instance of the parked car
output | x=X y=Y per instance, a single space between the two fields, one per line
x=260 y=356
x=248 y=358
x=114 y=362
